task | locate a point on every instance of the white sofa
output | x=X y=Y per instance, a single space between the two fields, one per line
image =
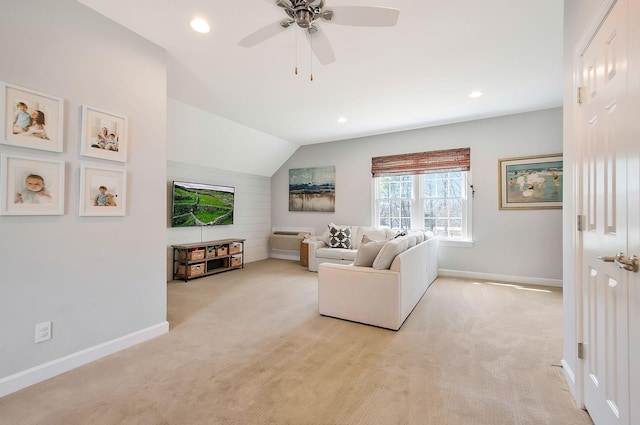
x=319 y=251
x=382 y=298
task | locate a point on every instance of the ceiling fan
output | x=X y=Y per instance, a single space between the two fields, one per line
x=305 y=13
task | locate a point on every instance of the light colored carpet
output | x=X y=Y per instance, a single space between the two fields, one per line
x=249 y=347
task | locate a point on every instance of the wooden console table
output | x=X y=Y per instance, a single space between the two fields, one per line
x=195 y=260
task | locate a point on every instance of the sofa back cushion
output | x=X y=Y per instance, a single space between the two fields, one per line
x=367 y=253
x=371 y=234
x=388 y=253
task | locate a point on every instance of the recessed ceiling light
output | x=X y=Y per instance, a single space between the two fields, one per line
x=342 y=120
x=200 y=25
x=475 y=94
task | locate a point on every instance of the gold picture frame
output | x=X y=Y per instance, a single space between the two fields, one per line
x=530 y=182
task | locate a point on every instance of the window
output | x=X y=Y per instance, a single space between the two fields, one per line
x=432 y=198
x=395 y=198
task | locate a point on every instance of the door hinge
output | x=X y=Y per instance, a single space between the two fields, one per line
x=579 y=95
x=580 y=350
x=580 y=223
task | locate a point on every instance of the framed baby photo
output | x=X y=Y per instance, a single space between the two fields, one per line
x=103 y=134
x=30 y=119
x=31 y=185
x=103 y=191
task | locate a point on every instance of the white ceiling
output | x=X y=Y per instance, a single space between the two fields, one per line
x=418 y=73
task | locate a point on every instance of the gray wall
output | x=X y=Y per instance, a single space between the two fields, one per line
x=97 y=278
x=506 y=243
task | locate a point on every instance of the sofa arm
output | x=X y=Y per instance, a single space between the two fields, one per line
x=314 y=244
x=360 y=294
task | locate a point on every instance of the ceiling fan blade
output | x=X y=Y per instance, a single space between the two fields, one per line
x=321 y=46
x=262 y=34
x=363 y=16
x=286 y=4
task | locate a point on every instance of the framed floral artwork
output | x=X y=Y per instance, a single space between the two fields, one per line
x=31 y=185
x=30 y=119
x=103 y=134
x=103 y=191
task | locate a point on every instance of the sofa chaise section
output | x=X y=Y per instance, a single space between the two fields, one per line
x=382 y=298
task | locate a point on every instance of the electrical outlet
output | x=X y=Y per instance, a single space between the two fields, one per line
x=43 y=332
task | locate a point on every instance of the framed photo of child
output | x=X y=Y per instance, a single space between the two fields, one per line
x=30 y=119
x=103 y=135
x=103 y=191
x=31 y=185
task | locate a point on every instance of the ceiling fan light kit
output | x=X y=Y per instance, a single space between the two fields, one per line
x=305 y=13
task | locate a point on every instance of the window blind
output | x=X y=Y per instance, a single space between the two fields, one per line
x=421 y=162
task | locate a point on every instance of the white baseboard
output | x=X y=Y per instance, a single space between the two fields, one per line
x=20 y=380
x=570 y=377
x=502 y=277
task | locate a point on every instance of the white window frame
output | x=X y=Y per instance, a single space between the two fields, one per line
x=417 y=214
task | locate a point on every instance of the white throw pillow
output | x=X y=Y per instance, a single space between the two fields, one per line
x=388 y=253
x=367 y=253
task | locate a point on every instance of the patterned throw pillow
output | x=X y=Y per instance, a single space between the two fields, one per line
x=339 y=237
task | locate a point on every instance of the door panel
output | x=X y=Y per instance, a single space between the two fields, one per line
x=604 y=123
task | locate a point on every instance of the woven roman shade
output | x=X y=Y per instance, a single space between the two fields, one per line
x=421 y=163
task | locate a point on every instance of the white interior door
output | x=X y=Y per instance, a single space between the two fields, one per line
x=606 y=140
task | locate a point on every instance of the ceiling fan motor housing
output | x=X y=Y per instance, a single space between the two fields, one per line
x=304 y=12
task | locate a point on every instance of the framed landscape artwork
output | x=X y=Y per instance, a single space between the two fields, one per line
x=30 y=119
x=532 y=182
x=31 y=186
x=312 y=189
x=103 y=135
x=102 y=191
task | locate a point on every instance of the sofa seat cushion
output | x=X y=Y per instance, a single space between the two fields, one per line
x=336 y=253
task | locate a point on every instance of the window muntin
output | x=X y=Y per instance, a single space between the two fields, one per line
x=442 y=201
x=433 y=201
x=395 y=196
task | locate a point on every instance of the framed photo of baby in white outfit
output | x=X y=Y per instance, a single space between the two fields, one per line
x=103 y=191
x=30 y=119
x=31 y=185
x=103 y=134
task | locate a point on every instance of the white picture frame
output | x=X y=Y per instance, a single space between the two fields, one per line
x=112 y=201
x=31 y=185
x=103 y=134
x=42 y=130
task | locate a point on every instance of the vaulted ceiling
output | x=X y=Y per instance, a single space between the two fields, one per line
x=418 y=73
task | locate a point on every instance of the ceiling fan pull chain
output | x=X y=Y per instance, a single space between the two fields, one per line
x=295 y=53
x=311 y=58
